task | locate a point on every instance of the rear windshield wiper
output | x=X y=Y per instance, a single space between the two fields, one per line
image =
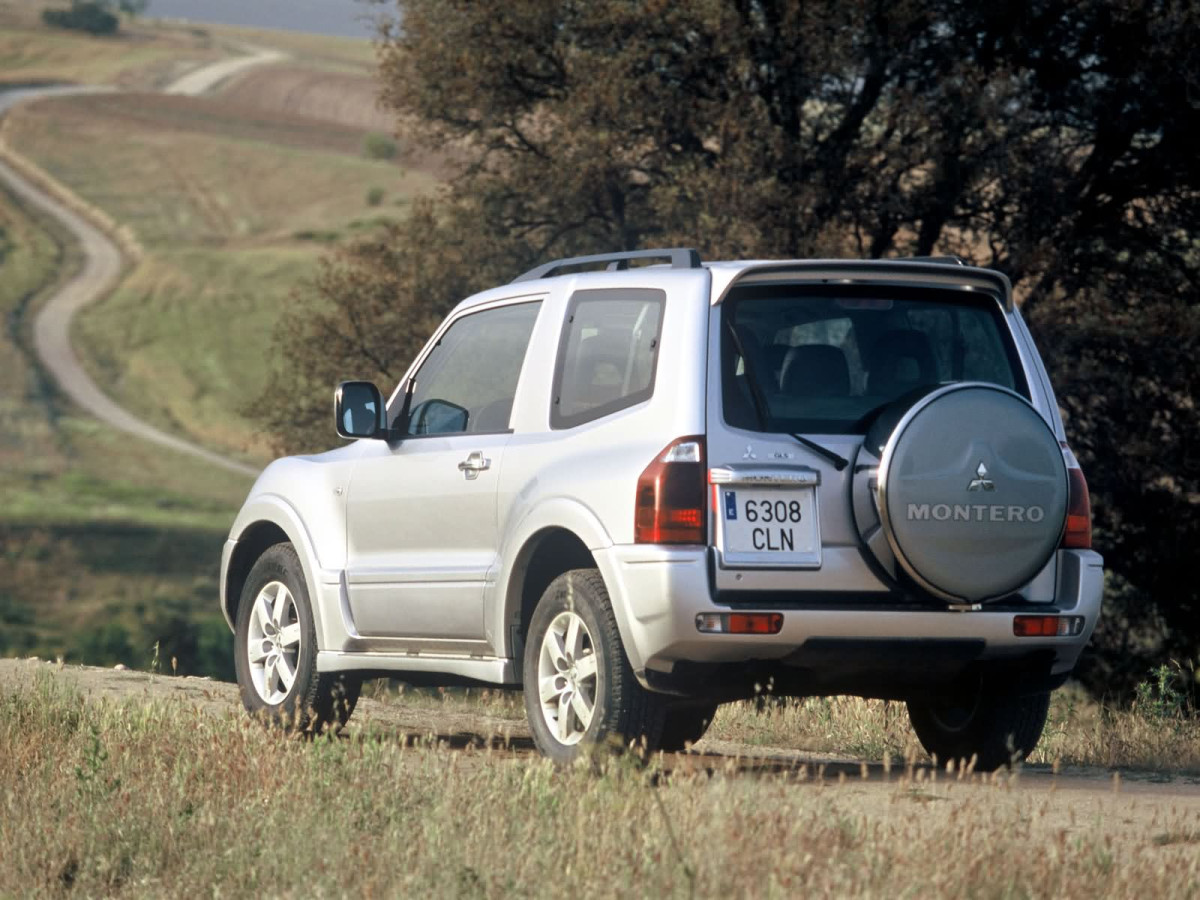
x=760 y=404
x=756 y=391
x=839 y=462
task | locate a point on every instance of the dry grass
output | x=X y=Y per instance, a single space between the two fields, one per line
x=186 y=171
x=344 y=98
x=142 y=799
x=1079 y=732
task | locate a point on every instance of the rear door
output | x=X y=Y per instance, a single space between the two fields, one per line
x=798 y=374
x=421 y=513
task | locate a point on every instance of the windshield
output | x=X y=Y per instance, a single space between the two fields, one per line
x=827 y=361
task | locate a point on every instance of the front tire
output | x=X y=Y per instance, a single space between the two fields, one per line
x=580 y=690
x=275 y=650
x=994 y=730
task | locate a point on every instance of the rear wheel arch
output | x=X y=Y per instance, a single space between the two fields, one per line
x=544 y=556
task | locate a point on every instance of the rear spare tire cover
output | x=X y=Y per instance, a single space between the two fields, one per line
x=972 y=492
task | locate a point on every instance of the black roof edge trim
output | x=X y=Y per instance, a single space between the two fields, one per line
x=680 y=258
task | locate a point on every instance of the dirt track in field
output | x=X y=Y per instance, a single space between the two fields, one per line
x=102 y=266
x=1132 y=799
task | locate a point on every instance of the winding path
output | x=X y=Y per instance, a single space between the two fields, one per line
x=101 y=269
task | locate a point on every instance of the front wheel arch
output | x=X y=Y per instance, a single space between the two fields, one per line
x=252 y=543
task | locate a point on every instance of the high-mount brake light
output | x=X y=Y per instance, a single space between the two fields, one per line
x=670 y=506
x=1078 y=533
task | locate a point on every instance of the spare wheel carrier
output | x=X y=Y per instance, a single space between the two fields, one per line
x=972 y=492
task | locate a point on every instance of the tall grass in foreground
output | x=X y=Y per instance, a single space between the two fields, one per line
x=1079 y=731
x=157 y=799
x=1160 y=732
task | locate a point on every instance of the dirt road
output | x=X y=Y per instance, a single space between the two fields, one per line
x=102 y=265
x=1139 y=795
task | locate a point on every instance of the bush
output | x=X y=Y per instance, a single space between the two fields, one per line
x=374 y=196
x=83 y=15
x=379 y=146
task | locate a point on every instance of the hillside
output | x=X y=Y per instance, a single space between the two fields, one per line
x=109 y=546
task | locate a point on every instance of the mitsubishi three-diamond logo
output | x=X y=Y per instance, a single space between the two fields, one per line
x=981 y=482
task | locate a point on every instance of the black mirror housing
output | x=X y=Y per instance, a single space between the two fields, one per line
x=358 y=411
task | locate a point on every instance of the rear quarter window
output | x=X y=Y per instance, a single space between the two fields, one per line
x=608 y=354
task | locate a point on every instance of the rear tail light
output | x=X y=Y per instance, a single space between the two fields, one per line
x=1078 y=534
x=670 y=507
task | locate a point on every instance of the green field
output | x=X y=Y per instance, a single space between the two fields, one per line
x=107 y=545
x=233 y=208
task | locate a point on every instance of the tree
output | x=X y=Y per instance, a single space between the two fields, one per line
x=83 y=15
x=1051 y=140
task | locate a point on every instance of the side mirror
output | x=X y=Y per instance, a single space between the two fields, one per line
x=358 y=410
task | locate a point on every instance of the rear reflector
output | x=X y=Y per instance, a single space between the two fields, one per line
x=1047 y=626
x=739 y=623
x=670 y=504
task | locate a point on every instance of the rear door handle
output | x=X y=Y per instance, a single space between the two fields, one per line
x=475 y=463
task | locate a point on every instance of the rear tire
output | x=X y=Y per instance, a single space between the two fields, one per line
x=685 y=726
x=275 y=651
x=994 y=729
x=580 y=691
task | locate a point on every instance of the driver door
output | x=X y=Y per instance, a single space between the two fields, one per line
x=422 y=529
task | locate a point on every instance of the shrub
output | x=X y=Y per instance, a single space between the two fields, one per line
x=379 y=146
x=84 y=15
x=374 y=196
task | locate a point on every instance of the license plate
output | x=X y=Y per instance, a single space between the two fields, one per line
x=770 y=526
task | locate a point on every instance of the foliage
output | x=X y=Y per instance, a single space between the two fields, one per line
x=379 y=146
x=1051 y=140
x=370 y=308
x=1168 y=696
x=375 y=195
x=83 y=15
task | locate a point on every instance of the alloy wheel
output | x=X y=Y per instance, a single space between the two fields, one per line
x=273 y=642
x=568 y=677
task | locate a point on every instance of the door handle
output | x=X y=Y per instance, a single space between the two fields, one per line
x=475 y=463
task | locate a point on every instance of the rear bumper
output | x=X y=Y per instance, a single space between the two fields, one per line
x=659 y=591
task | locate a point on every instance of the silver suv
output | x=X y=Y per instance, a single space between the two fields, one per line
x=639 y=485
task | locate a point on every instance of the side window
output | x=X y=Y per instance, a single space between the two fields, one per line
x=468 y=381
x=607 y=355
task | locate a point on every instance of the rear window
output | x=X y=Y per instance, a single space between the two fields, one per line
x=804 y=359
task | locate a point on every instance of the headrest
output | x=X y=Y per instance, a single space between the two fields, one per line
x=815 y=370
x=899 y=360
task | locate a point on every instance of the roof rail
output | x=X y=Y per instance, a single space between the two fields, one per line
x=943 y=260
x=680 y=257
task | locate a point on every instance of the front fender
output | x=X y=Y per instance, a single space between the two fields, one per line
x=317 y=567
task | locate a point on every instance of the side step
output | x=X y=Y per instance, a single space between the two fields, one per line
x=489 y=670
